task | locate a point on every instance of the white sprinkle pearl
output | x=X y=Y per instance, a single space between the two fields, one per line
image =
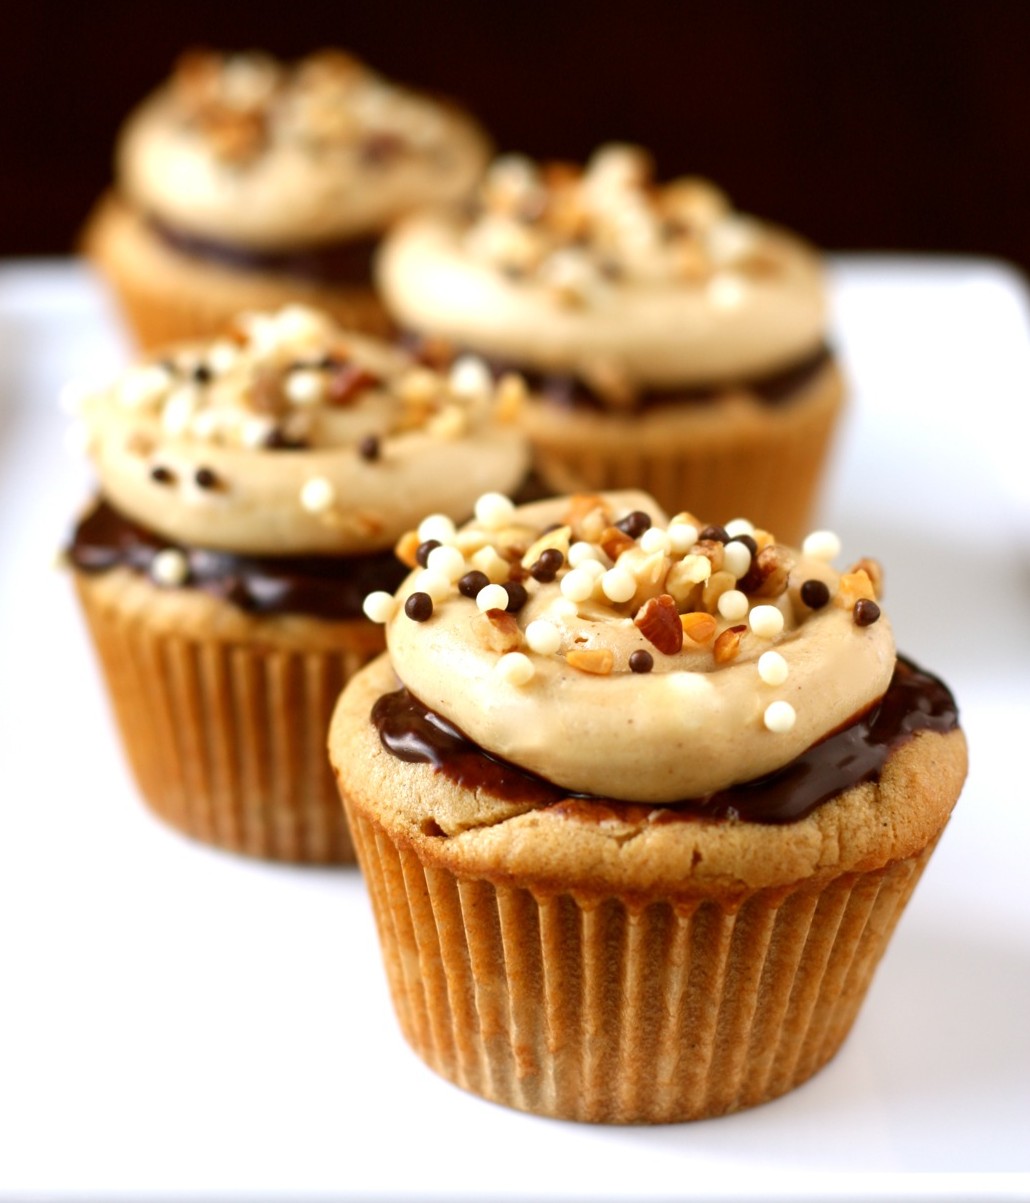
x=581 y=553
x=494 y=510
x=733 y=604
x=305 y=387
x=492 y=597
x=470 y=377
x=779 y=717
x=543 y=637
x=766 y=621
x=593 y=568
x=736 y=558
x=255 y=432
x=436 y=526
x=446 y=560
x=739 y=526
x=169 y=567
x=618 y=585
x=577 y=585
x=655 y=539
x=434 y=583
x=822 y=544
x=772 y=668
x=682 y=537
x=379 y=606
x=317 y=495
x=515 y=668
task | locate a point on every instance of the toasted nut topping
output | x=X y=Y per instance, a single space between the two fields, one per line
x=716 y=585
x=873 y=570
x=614 y=542
x=727 y=646
x=713 y=551
x=407 y=546
x=769 y=573
x=558 y=539
x=584 y=506
x=698 y=626
x=659 y=623
x=596 y=660
x=854 y=586
x=497 y=630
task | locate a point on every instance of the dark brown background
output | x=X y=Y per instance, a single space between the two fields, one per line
x=899 y=126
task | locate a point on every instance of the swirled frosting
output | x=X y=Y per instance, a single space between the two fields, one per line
x=292 y=436
x=268 y=155
x=618 y=653
x=602 y=273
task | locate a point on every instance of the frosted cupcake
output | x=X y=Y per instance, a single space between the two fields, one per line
x=639 y=803
x=672 y=343
x=252 y=489
x=245 y=182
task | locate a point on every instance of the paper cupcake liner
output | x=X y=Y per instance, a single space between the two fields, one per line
x=226 y=736
x=723 y=461
x=608 y=1012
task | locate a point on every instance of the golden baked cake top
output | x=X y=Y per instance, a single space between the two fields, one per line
x=620 y=653
x=267 y=154
x=290 y=435
x=603 y=272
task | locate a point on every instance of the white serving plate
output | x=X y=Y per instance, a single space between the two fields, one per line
x=180 y=1023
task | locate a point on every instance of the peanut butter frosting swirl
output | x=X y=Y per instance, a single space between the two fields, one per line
x=292 y=436
x=267 y=155
x=603 y=273
x=616 y=652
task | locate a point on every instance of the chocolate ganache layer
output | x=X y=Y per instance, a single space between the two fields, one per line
x=855 y=753
x=345 y=262
x=327 y=587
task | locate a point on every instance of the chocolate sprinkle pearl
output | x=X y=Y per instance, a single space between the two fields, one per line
x=634 y=524
x=546 y=568
x=471 y=583
x=202 y=373
x=162 y=475
x=422 y=553
x=866 y=612
x=368 y=448
x=815 y=594
x=419 y=607
x=517 y=596
x=206 y=479
x=641 y=661
x=716 y=534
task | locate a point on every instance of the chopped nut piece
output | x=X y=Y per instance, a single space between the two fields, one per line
x=497 y=631
x=853 y=587
x=557 y=539
x=587 y=513
x=716 y=585
x=698 y=626
x=727 y=646
x=873 y=570
x=510 y=395
x=712 y=550
x=658 y=621
x=596 y=660
x=769 y=572
x=614 y=542
x=407 y=546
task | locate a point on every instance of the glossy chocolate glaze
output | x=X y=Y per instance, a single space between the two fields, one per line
x=345 y=262
x=328 y=587
x=915 y=701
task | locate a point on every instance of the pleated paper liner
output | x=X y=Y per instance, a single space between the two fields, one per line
x=735 y=457
x=223 y=715
x=602 y=1011
x=168 y=297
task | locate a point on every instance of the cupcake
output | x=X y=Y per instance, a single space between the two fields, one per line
x=672 y=343
x=245 y=182
x=639 y=809
x=251 y=492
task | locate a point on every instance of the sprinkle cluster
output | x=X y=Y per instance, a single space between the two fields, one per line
x=579 y=231
x=243 y=104
x=685 y=587
x=293 y=381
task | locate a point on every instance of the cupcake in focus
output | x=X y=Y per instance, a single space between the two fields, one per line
x=671 y=342
x=246 y=182
x=251 y=491
x=639 y=808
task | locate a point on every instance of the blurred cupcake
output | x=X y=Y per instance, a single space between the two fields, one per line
x=245 y=182
x=639 y=810
x=252 y=489
x=671 y=343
